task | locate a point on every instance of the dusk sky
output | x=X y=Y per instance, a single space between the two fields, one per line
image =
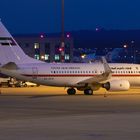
x=33 y=16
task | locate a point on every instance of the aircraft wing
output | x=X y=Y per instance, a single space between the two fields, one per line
x=101 y=77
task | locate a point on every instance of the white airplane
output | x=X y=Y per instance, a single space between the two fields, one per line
x=86 y=77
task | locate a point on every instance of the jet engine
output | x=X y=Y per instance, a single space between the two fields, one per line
x=117 y=85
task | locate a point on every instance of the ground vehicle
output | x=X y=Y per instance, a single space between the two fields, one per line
x=4 y=82
x=11 y=82
x=25 y=84
x=29 y=84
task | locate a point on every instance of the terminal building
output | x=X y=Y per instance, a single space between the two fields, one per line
x=46 y=48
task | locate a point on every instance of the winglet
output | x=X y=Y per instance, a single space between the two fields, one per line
x=107 y=69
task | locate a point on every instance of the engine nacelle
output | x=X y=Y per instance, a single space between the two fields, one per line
x=117 y=85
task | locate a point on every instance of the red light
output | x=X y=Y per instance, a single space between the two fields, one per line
x=68 y=35
x=60 y=49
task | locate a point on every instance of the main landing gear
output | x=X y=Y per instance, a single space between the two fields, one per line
x=88 y=92
x=72 y=91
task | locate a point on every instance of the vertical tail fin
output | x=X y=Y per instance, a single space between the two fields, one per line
x=10 y=51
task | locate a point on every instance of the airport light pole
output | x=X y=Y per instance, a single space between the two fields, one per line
x=133 y=50
x=62 y=47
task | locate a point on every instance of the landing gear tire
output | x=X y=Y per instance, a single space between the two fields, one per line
x=88 y=92
x=71 y=91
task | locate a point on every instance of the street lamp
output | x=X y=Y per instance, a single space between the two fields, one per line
x=62 y=53
x=133 y=51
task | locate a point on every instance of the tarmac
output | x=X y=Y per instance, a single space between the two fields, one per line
x=48 y=113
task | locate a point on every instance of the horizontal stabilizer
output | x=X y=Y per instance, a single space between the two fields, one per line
x=10 y=66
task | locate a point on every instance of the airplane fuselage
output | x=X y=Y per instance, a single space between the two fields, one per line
x=71 y=74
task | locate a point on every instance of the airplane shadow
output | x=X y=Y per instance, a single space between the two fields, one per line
x=54 y=95
x=82 y=95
